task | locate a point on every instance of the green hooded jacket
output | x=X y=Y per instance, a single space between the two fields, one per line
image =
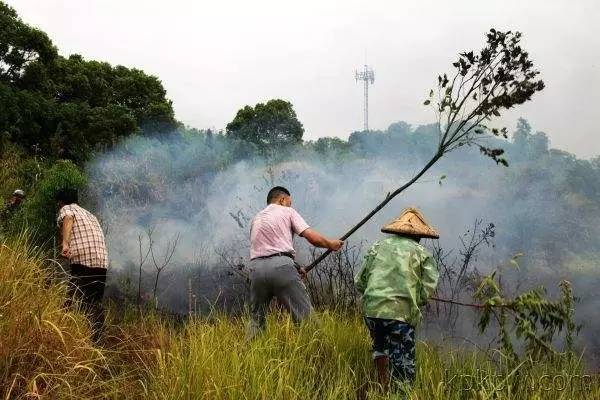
x=397 y=277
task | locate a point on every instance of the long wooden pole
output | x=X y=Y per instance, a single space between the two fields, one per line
x=370 y=215
x=460 y=303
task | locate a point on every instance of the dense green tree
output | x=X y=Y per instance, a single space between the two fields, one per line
x=267 y=125
x=538 y=145
x=519 y=151
x=399 y=141
x=596 y=163
x=330 y=146
x=20 y=46
x=522 y=133
x=69 y=107
x=527 y=145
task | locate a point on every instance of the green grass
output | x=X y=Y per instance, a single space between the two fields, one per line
x=46 y=353
x=330 y=359
x=212 y=359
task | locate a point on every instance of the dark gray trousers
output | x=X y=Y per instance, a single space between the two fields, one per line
x=275 y=277
x=87 y=285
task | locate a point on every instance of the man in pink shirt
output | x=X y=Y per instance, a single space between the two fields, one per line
x=273 y=272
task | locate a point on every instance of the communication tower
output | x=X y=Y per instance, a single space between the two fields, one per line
x=368 y=77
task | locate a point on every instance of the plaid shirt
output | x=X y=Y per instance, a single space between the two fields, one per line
x=87 y=240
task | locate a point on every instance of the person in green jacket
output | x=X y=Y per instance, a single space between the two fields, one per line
x=397 y=278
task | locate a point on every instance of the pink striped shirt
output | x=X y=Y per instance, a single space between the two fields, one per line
x=272 y=230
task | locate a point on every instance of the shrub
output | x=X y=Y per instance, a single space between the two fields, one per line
x=40 y=209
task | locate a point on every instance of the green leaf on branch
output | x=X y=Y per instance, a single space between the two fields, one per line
x=529 y=317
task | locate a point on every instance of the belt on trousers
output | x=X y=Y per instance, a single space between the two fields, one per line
x=283 y=254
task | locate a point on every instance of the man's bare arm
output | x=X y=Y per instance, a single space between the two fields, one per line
x=65 y=235
x=318 y=240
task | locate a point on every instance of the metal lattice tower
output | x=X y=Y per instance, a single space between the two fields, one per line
x=368 y=77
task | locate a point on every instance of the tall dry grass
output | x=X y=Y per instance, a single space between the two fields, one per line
x=46 y=353
x=45 y=347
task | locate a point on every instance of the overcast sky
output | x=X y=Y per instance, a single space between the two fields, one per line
x=214 y=57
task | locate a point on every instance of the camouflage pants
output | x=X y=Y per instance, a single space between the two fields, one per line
x=396 y=340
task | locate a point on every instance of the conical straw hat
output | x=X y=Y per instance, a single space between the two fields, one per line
x=411 y=222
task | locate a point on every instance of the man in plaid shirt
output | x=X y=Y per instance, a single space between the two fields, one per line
x=82 y=243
